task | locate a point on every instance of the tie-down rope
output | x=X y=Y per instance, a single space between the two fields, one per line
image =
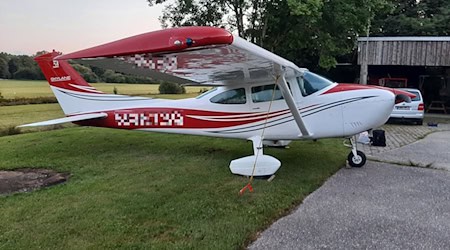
x=249 y=184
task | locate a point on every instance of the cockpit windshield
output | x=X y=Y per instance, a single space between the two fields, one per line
x=206 y=93
x=310 y=83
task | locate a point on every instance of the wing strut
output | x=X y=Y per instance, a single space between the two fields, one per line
x=281 y=81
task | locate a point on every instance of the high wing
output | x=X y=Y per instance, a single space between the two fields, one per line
x=195 y=55
x=74 y=118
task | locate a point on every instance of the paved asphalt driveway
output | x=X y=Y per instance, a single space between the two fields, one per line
x=380 y=206
x=433 y=151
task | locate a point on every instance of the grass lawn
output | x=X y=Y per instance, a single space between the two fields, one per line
x=147 y=190
x=22 y=114
x=11 y=89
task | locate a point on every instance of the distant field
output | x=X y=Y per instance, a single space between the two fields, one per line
x=16 y=89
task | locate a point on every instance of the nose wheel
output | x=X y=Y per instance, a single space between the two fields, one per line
x=358 y=160
x=355 y=158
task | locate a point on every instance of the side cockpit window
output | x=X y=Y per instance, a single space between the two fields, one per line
x=233 y=96
x=265 y=93
x=310 y=83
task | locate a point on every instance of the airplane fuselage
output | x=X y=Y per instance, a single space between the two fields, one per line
x=337 y=110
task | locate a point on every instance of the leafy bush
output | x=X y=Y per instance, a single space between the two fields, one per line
x=171 y=88
x=86 y=73
x=113 y=77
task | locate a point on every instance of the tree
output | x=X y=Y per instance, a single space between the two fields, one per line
x=414 y=18
x=13 y=65
x=25 y=74
x=113 y=77
x=21 y=67
x=171 y=88
x=310 y=33
x=315 y=32
x=86 y=73
x=4 y=70
x=247 y=17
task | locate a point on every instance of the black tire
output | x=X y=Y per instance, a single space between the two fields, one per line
x=357 y=162
x=419 y=122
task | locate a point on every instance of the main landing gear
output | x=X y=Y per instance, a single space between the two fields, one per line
x=258 y=164
x=355 y=158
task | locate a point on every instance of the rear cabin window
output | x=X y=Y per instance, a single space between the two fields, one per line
x=310 y=83
x=233 y=96
x=264 y=93
x=415 y=99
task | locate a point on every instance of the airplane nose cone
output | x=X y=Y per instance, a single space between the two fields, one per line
x=370 y=112
x=385 y=102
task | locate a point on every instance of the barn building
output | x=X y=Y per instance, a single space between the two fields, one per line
x=414 y=62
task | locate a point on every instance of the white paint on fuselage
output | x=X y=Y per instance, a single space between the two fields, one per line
x=341 y=114
x=338 y=114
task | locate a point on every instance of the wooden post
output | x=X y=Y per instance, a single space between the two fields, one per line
x=364 y=70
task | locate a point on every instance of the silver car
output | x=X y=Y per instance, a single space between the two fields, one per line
x=412 y=111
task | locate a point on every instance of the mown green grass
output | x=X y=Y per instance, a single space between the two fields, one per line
x=22 y=114
x=154 y=191
x=11 y=89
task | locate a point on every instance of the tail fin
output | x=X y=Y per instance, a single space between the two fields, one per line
x=64 y=80
x=60 y=74
x=75 y=95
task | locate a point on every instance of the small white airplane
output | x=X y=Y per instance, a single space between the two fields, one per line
x=259 y=96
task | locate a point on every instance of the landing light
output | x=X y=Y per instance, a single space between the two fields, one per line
x=177 y=42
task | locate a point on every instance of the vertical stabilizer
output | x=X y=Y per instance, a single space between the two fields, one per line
x=65 y=82
x=60 y=74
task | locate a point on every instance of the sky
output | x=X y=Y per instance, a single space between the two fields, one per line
x=28 y=26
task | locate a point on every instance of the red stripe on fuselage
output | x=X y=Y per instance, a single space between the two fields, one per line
x=347 y=87
x=176 y=118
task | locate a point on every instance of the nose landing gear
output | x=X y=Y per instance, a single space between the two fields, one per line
x=355 y=158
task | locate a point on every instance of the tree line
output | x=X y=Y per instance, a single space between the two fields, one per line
x=23 y=67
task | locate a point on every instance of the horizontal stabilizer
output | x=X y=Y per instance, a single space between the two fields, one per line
x=74 y=118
